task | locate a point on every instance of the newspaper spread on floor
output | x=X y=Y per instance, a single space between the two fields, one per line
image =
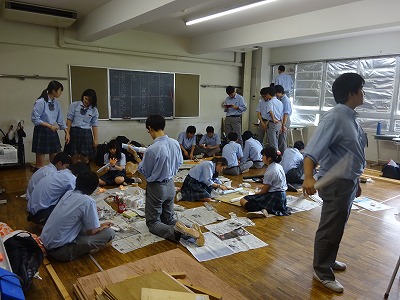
x=133 y=232
x=232 y=242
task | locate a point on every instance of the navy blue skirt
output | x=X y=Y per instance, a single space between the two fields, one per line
x=81 y=142
x=109 y=177
x=193 y=190
x=45 y=140
x=274 y=203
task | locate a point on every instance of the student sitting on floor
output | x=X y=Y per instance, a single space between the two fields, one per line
x=115 y=161
x=292 y=163
x=49 y=191
x=187 y=142
x=73 y=228
x=272 y=197
x=252 y=150
x=210 y=143
x=199 y=182
x=60 y=162
x=234 y=154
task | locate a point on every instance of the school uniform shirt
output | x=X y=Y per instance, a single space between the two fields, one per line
x=210 y=141
x=120 y=162
x=252 y=150
x=262 y=108
x=203 y=172
x=42 y=113
x=287 y=106
x=338 y=134
x=162 y=160
x=275 y=178
x=238 y=100
x=74 y=214
x=285 y=81
x=185 y=141
x=83 y=117
x=50 y=189
x=232 y=152
x=37 y=176
x=276 y=107
x=291 y=159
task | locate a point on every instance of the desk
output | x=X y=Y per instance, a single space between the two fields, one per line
x=395 y=138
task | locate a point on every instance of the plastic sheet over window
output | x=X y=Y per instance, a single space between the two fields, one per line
x=313 y=90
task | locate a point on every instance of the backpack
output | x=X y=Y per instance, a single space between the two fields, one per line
x=391 y=172
x=100 y=151
x=25 y=257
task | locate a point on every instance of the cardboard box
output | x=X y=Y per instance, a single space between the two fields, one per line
x=8 y=154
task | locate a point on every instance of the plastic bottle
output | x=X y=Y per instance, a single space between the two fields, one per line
x=379 y=128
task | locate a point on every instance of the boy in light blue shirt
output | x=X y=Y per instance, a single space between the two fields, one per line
x=252 y=150
x=286 y=113
x=338 y=134
x=187 y=142
x=209 y=143
x=49 y=191
x=60 y=162
x=73 y=228
x=234 y=154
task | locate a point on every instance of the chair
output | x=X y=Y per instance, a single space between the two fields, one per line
x=290 y=132
x=396 y=269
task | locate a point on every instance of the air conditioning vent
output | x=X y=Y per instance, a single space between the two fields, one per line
x=37 y=14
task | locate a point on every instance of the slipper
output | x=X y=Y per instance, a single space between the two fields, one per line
x=200 y=240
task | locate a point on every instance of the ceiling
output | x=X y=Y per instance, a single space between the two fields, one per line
x=275 y=24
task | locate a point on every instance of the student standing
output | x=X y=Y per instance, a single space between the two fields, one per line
x=48 y=118
x=272 y=196
x=274 y=110
x=73 y=228
x=234 y=155
x=82 y=124
x=284 y=80
x=286 y=113
x=337 y=135
x=252 y=150
x=187 y=142
x=263 y=118
x=234 y=107
x=199 y=182
x=160 y=164
x=61 y=161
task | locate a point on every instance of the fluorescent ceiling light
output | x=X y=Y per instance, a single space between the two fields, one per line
x=228 y=12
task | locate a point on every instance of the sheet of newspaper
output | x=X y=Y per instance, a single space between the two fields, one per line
x=235 y=241
x=199 y=215
x=133 y=232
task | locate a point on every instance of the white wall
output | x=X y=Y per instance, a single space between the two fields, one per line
x=31 y=49
x=361 y=46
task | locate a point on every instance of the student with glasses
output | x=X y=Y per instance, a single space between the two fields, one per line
x=82 y=124
x=48 y=118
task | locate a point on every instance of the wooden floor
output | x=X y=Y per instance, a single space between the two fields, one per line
x=283 y=270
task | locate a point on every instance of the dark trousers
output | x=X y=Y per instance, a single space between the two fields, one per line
x=337 y=200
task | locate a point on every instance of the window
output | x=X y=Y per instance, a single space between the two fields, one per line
x=312 y=95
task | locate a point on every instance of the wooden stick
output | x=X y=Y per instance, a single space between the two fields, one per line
x=59 y=285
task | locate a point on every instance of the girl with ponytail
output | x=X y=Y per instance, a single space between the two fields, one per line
x=271 y=199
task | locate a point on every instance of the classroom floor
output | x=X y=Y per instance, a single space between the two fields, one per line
x=283 y=270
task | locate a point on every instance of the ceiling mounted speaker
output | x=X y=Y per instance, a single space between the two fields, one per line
x=37 y=14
